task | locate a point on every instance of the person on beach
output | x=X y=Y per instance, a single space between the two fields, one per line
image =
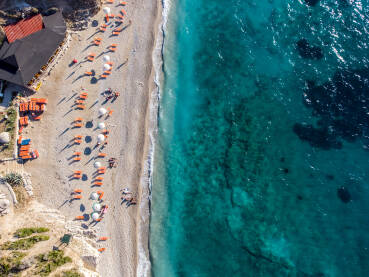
x=112 y=162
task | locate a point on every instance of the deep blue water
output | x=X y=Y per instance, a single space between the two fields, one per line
x=262 y=162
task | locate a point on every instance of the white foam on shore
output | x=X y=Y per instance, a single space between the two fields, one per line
x=144 y=264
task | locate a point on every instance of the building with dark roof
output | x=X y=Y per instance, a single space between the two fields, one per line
x=30 y=47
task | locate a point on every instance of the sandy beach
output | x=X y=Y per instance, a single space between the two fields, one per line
x=128 y=140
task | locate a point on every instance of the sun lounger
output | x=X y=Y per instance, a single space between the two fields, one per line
x=19 y=141
x=80 y=101
x=98 y=39
x=41 y=101
x=24 y=147
x=118 y=30
x=107 y=72
x=77 y=176
x=102 y=29
x=123 y=3
x=78 y=137
x=79 y=217
x=80 y=107
x=77 y=158
x=101 y=155
x=98 y=184
x=77 y=197
x=122 y=11
x=111 y=15
x=84 y=94
x=109 y=1
x=103 y=76
x=115 y=33
x=96 y=43
x=20 y=130
x=77 y=191
x=103 y=239
x=82 y=97
x=101 y=194
x=26 y=157
x=88 y=73
x=77 y=154
x=77 y=141
x=78 y=125
x=101 y=249
x=77 y=172
x=99 y=178
x=106 y=18
x=110 y=63
x=91 y=57
x=26 y=141
x=78 y=119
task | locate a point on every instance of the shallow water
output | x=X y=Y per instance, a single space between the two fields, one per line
x=261 y=162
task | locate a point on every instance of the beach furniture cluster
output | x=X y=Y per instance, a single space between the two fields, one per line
x=79 y=106
x=29 y=109
x=24 y=149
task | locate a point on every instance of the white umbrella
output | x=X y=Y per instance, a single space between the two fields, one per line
x=106 y=10
x=95 y=216
x=102 y=111
x=106 y=58
x=96 y=207
x=106 y=66
x=97 y=164
x=94 y=196
x=100 y=138
x=101 y=125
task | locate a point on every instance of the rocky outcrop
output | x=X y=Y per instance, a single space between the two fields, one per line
x=4 y=205
x=79 y=11
x=4 y=138
x=76 y=12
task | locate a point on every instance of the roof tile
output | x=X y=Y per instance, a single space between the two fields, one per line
x=23 y=28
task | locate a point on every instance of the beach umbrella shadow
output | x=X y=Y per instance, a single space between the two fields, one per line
x=94 y=80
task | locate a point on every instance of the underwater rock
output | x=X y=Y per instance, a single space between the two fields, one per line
x=342 y=107
x=308 y=52
x=299 y=197
x=330 y=177
x=311 y=3
x=317 y=137
x=344 y=194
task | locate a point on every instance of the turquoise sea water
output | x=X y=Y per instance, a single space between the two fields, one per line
x=262 y=162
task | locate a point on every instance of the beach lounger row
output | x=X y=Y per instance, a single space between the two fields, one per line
x=112 y=47
x=97 y=41
x=35 y=104
x=119 y=18
x=103 y=28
